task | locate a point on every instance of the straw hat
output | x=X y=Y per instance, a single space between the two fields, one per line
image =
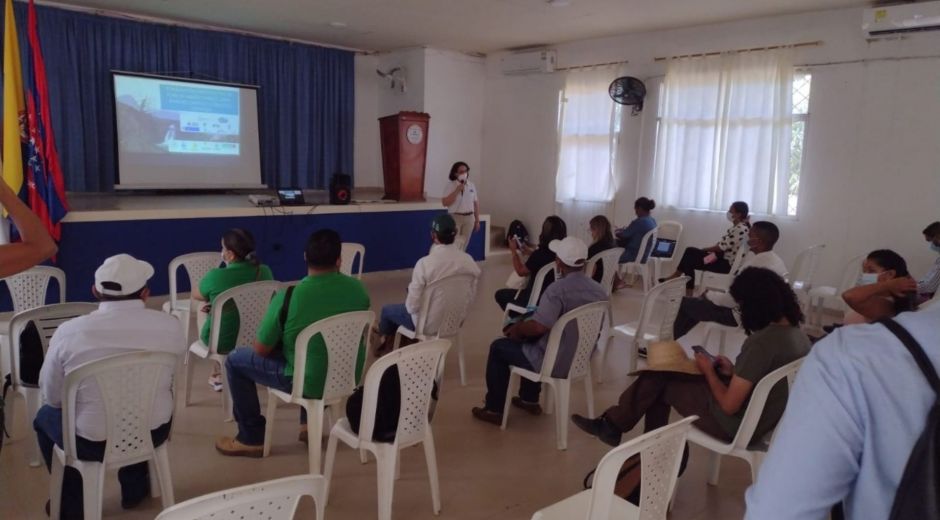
x=667 y=356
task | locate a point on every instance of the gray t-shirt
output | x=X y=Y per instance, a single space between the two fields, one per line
x=763 y=352
x=568 y=293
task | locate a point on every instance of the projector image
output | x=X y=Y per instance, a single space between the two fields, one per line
x=263 y=200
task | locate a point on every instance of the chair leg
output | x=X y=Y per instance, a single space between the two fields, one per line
x=328 y=465
x=563 y=402
x=57 y=472
x=227 y=405
x=315 y=437
x=550 y=399
x=397 y=342
x=92 y=489
x=189 y=361
x=386 y=457
x=154 y=479
x=589 y=394
x=269 y=423
x=756 y=460
x=164 y=476
x=430 y=456
x=714 y=468
x=513 y=378
x=608 y=341
x=460 y=361
x=9 y=418
x=32 y=408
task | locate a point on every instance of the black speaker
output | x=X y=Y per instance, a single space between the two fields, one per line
x=340 y=189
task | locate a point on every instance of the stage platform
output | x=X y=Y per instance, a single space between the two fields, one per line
x=159 y=227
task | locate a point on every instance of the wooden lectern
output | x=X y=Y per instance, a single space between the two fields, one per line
x=404 y=151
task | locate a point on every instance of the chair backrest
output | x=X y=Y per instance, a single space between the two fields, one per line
x=646 y=246
x=417 y=369
x=588 y=319
x=451 y=297
x=28 y=289
x=665 y=298
x=755 y=407
x=128 y=385
x=348 y=254
x=738 y=259
x=271 y=500
x=670 y=229
x=342 y=334
x=850 y=273
x=196 y=266
x=610 y=261
x=660 y=455
x=804 y=267
x=251 y=301
x=47 y=319
x=539 y=282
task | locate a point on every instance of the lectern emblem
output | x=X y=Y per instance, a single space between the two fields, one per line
x=414 y=134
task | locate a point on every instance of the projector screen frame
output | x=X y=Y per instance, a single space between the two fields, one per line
x=178 y=188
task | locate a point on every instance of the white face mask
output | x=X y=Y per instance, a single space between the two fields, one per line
x=867 y=278
x=462 y=177
x=729 y=216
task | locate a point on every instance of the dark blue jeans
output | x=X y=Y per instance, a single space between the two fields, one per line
x=135 y=479
x=246 y=369
x=392 y=316
x=506 y=353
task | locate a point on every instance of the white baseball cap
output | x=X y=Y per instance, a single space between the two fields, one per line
x=572 y=251
x=121 y=275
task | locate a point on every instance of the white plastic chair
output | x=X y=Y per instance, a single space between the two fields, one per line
x=348 y=254
x=343 y=334
x=251 y=301
x=196 y=266
x=417 y=368
x=641 y=265
x=610 y=261
x=660 y=457
x=128 y=384
x=452 y=297
x=271 y=500
x=534 y=295
x=825 y=296
x=673 y=231
x=588 y=319
x=47 y=319
x=709 y=281
x=743 y=446
x=803 y=272
x=28 y=291
x=666 y=298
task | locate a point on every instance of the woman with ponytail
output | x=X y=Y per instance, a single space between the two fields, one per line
x=241 y=266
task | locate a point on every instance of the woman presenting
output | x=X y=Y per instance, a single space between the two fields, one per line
x=462 y=203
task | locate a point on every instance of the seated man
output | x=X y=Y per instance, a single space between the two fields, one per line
x=717 y=306
x=115 y=328
x=930 y=283
x=525 y=341
x=445 y=259
x=324 y=292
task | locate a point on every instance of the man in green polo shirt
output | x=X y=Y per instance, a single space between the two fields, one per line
x=324 y=292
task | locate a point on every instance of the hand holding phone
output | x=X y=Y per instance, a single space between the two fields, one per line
x=698 y=349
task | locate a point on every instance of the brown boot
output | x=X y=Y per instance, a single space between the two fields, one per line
x=230 y=447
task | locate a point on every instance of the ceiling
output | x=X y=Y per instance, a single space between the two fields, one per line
x=463 y=25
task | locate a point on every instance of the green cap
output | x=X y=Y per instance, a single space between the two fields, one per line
x=444 y=224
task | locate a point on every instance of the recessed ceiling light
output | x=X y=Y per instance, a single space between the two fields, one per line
x=338 y=24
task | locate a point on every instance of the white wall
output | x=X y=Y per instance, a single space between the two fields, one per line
x=447 y=85
x=870 y=177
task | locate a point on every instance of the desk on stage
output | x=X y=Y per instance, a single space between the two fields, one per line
x=157 y=228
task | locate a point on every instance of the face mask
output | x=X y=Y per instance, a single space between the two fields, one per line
x=867 y=278
x=935 y=247
x=462 y=177
x=729 y=216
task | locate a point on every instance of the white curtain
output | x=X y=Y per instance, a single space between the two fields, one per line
x=724 y=132
x=589 y=122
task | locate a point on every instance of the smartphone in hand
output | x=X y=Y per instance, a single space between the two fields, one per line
x=698 y=349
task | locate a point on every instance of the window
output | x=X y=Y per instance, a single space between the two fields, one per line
x=801 y=89
x=731 y=127
x=589 y=123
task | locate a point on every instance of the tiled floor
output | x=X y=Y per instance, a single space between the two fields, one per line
x=485 y=473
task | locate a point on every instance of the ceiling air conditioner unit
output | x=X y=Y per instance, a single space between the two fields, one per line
x=920 y=16
x=528 y=62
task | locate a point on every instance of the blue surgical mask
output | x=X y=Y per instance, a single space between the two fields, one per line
x=867 y=278
x=935 y=247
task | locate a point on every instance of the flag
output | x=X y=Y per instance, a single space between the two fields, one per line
x=14 y=110
x=44 y=181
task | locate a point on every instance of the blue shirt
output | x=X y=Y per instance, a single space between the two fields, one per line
x=858 y=406
x=629 y=238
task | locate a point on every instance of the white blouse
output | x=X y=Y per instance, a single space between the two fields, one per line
x=464 y=201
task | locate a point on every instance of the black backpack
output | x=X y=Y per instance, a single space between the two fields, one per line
x=517 y=229
x=918 y=494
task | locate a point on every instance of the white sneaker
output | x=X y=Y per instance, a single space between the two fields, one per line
x=215 y=381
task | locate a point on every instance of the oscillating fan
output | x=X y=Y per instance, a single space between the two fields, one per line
x=628 y=90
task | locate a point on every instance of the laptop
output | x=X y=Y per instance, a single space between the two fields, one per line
x=664 y=248
x=290 y=196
